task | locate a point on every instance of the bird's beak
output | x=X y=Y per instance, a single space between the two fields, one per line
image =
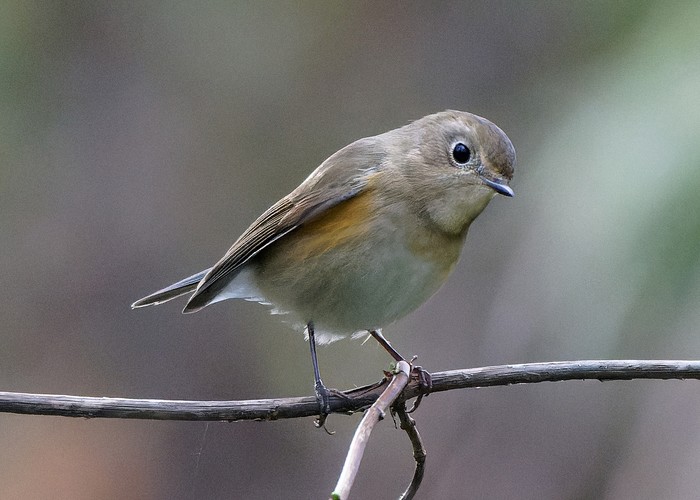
x=499 y=187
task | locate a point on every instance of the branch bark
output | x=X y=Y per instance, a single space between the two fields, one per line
x=396 y=392
x=359 y=441
x=357 y=399
x=409 y=426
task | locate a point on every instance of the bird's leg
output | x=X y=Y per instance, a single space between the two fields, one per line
x=377 y=334
x=322 y=393
x=425 y=380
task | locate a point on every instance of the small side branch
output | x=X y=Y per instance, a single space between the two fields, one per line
x=384 y=393
x=356 y=400
x=409 y=425
x=359 y=441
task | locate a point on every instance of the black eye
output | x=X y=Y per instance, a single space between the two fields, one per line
x=461 y=153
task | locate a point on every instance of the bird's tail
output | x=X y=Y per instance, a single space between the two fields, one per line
x=182 y=287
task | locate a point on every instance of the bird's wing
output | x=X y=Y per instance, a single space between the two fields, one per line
x=341 y=177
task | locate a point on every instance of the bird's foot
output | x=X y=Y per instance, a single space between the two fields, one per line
x=425 y=383
x=323 y=397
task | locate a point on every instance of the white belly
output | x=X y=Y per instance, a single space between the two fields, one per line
x=351 y=288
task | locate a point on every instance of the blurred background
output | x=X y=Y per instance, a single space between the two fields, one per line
x=137 y=140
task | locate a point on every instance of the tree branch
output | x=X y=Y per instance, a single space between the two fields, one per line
x=419 y=454
x=356 y=400
x=359 y=441
x=383 y=393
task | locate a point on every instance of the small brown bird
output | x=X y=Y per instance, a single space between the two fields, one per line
x=369 y=236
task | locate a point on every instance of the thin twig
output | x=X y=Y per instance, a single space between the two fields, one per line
x=375 y=413
x=419 y=454
x=355 y=400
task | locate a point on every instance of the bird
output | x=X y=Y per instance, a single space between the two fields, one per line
x=367 y=237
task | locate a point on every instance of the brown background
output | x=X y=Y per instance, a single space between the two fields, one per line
x=137 y=140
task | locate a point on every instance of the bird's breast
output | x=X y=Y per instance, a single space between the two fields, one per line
x=356 y=266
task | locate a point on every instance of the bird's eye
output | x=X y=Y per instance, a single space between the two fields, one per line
x=461 y=153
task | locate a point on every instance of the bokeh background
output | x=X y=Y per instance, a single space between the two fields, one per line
x=138 y=139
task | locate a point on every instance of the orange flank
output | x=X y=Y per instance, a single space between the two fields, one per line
x=336 y=226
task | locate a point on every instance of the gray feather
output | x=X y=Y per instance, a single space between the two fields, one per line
x=182 y=287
